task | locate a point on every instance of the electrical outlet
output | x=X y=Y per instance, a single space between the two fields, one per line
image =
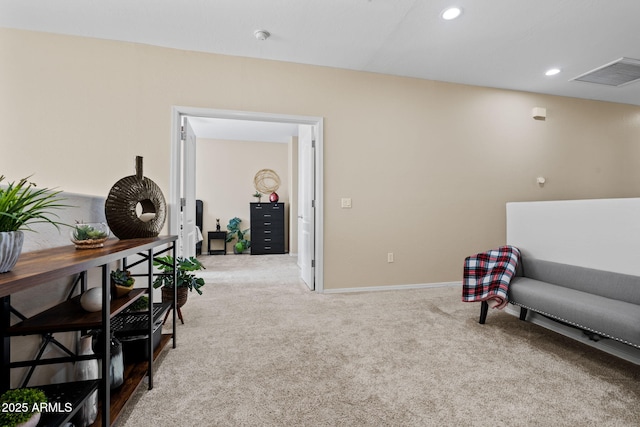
x=390 y=257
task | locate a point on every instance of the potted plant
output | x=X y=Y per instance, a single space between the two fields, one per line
x=21 y=205
x=121 y=282
x=234 y=232
x=185 y=280
x=258 y=195
x=91 y=235
x=141 y=304
x=21 y=407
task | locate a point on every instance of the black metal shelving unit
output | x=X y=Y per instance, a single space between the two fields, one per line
x=39 y=267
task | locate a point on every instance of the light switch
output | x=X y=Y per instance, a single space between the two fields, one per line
x=346 y=202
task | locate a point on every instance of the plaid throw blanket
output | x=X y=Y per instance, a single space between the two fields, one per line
x=487 y=276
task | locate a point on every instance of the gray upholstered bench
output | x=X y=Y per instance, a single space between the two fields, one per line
x=601 y=303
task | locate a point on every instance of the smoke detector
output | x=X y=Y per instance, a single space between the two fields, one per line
x=261 y=34
x=617 y=73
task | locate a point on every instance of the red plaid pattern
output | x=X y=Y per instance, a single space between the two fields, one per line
x=487 y=276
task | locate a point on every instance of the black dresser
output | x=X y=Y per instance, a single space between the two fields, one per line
x=267 y=228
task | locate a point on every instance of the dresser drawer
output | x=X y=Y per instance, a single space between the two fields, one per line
x=265 y=247
x=261 y=227
x=268 y=238
x=267 y=210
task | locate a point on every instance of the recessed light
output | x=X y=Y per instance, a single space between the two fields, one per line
x=552 y=72
x=451 y=13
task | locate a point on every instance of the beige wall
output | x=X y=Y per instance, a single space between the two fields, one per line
x=429 y=165
x=224 y=179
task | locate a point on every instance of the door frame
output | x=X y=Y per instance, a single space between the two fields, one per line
x=177 y=112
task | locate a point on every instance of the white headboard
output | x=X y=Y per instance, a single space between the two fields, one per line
x=81 y=208
x=598 y=233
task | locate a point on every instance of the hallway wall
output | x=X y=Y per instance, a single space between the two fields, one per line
x=225 y=171
x=428 y=165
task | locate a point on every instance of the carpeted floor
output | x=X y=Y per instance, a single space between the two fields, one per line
x=259 y=349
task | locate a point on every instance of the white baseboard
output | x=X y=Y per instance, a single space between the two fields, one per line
x=393 y=287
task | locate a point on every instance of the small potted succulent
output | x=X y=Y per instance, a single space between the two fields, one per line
x=89 y=235
x=22 y=204
x=121 y=282
x=21 y=407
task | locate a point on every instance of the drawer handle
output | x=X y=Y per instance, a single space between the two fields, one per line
x=267 y=223
x=267 y=231
x=267 y=240
x=267 y=248
x=267 y=215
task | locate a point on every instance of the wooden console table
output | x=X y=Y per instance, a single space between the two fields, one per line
x=44 y=266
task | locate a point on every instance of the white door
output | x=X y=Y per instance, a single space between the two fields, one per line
x=188 y=234
x=306 y=201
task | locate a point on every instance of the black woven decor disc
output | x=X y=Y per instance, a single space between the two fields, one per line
x=135 y=206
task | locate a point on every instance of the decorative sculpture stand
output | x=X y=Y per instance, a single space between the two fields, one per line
x=135 y=206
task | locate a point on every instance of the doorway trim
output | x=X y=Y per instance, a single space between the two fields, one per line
x=177 y=112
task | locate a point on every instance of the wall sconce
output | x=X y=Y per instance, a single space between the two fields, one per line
x=541 y=180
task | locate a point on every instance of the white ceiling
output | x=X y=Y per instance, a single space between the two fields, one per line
x=496 y=43
x=243 y=130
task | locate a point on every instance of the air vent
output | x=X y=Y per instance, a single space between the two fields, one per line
x=616 y=73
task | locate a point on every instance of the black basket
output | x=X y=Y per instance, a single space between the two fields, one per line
x=132 y=329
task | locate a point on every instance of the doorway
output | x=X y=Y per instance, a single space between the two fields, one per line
x=183 y=159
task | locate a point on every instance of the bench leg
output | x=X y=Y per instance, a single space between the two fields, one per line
x=523 y=313
x=484 y=308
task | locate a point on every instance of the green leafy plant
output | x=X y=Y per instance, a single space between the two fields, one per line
x=234 y=232
x=258 y=195
x=87 y=232
x=122 y=278
x=141 y=303
x=22 y=204
x=25 y=401
x=184 y=277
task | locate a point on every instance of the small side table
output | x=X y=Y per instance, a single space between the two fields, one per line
x=218 y=235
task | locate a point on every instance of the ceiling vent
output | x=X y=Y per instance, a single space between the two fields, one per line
x=616 y=73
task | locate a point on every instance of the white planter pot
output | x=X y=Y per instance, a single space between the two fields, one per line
x=31 y=422
x=10 y=249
